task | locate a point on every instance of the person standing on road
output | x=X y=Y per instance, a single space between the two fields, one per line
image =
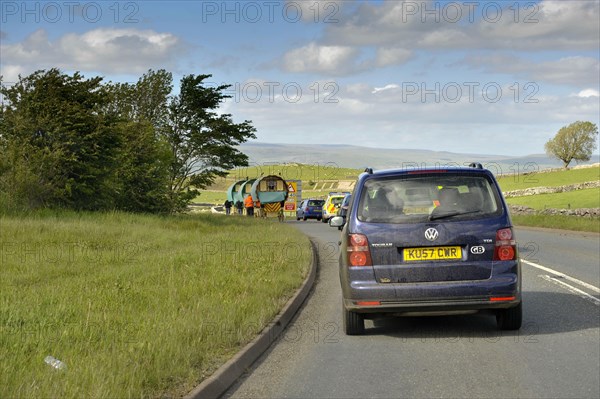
x=227 y=206
x=249 y=204
x=258 y=208
x=239 y=205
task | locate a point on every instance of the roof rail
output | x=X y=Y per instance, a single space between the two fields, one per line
x=475 y=165
x=369 y=171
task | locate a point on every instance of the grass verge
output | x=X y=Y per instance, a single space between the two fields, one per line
x=136 y=306
x=558 y=222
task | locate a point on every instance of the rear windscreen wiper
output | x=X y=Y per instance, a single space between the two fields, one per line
x=451 y=214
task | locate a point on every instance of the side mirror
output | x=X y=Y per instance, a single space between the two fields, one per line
x=337 y=221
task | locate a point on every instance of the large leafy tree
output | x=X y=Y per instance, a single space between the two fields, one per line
x=202 y=142
x=142 y=170
x=66 y=141
x=58 y=147
x=574 y=142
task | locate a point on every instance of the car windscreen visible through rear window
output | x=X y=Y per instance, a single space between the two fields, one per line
x=421 y=198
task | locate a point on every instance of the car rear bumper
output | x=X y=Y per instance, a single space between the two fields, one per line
x=312 y=215
x=434 y=307
x=494 y=293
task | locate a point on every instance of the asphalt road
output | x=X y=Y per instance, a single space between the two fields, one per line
x=556 y=354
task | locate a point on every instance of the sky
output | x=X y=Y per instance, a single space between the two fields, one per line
x=480 y=77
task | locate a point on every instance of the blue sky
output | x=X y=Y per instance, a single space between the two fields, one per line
x=463 y=76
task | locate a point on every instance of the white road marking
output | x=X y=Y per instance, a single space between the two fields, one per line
x=574 y=290
x=562 y=275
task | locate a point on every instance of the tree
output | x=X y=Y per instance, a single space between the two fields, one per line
x=574 y=142
x=145 y=101
x=77 y=143
x=143 y=160
x=58 y=147
x=202 y=142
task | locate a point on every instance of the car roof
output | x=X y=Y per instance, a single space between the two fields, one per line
x=340 y=194
x=424 y=170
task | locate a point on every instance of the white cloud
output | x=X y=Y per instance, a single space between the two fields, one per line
x=391 y=56
x=396 y=30
x=103 y=50
x=588 y=93
x=574 y=70
x=340 y=60
x=547 y=25
x=316 y=58
x=384 y=88
x=10 y=73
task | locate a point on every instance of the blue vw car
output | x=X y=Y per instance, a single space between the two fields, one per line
x=310 y=209
x=428 y=241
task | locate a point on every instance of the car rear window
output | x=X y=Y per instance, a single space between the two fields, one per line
x=315 y=203
x=336 y=200
x=421 y=198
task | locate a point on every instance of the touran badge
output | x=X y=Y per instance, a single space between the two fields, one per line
x=431 y=234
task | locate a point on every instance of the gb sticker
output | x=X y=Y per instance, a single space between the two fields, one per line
x=477 y=250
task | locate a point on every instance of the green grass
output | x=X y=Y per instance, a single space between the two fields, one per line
x=211 y=197
x=136 y=306
x=549 y=179
x=558 y=222
x=588 y=198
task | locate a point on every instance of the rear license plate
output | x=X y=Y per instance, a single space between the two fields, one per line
x=432 y=253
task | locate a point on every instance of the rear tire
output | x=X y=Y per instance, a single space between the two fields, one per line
x=511 y=318
x=354 y=323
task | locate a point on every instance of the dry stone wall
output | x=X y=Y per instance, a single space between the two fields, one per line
x=551 y=190
x=581 y=212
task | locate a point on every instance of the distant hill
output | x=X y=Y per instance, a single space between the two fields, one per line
x=350 y=156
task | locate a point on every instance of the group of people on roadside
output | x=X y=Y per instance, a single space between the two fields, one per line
x=248 y=203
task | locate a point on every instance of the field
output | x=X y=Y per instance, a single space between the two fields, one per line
x=588 y=198
x=136 y=306
x=558 y=222
x=549 y=179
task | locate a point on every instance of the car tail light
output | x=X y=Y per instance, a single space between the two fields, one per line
x=358 y=250
x=506 y=247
